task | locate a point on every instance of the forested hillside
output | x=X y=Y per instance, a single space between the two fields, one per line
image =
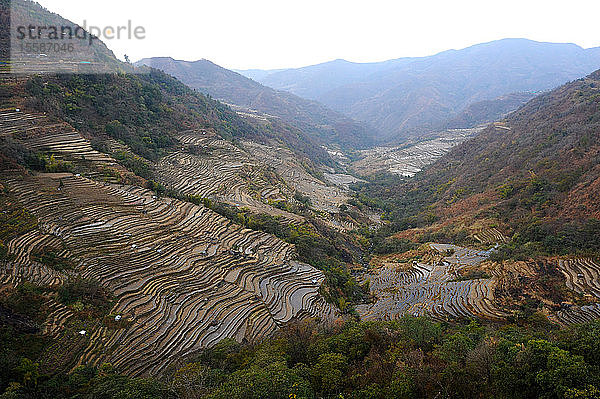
x=144 y=111
x=536 y=174
x=315 y=121
x=409 y=358
x=488 y=111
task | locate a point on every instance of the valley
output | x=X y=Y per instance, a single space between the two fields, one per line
x=409 y=159
x=184 y=278
x=422 y=227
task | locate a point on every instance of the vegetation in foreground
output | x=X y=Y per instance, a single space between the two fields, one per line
x=408 y=358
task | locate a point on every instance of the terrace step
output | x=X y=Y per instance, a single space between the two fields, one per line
x=170 y=264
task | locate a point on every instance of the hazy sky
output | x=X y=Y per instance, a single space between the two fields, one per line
x=291 y=33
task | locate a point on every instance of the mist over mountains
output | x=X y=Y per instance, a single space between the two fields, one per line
x=408 y=96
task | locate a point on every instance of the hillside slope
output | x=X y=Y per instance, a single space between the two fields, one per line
x=542 y=155
x=316 y=121
x=536 y=175
x=488 y=111
x=148 y=222
x=82 y=55
x=410 y=95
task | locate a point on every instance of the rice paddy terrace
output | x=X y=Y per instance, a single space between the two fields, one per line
x=433 y=289
x=42 y=134
x=251 y=176
x=324 y=197
x=407 y=160
x=443 y=289
x=582 y=276
x=183 y=276
x=210 y=167
x=490 y=236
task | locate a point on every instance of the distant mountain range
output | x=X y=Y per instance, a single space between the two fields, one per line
x=409 y=96
x=257 y=74
x=314 y=120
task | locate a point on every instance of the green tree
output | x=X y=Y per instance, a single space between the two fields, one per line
x=272 y=381
x=328 y=373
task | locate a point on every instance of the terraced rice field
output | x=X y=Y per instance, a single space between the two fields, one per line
x=579 y=314
x=223 y=172
x=23 y=268
x=57 y=319
x=582 y=276
x=341 y=180
x=41 y=134
x=252 y=176
x=407 y=160
x=427 y=289
x=183 y=276
x=461 y=256
x=435 y=290
x=323 y=197
x=490 y=236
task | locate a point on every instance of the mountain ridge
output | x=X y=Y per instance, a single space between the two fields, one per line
x=314 y=119
x=408 y=96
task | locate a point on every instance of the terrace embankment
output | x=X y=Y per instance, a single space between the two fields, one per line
x=434 y=288
x=408 y=159
x=183 y=277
